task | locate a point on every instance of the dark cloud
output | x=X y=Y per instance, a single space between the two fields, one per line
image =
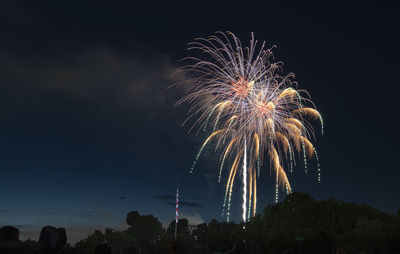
x=184 y=204
x=165 y=197
x=122 y=197
x=6 y=212
x=96 y=75
x=21 y=226
x=168 y=199
x=93 y=214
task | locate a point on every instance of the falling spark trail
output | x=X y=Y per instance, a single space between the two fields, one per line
x=255 y=194
x=219 y=115
x=250 y=192
x=232 y=172
x=290 y=158
x=304 y=154
x=223 y=159
x=277 y=186
x=318 y=168
x=230 y=195
x=208 y=118
x=202 y=147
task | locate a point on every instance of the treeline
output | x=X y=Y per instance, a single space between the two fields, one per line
x=324 y=227
x=299 y=224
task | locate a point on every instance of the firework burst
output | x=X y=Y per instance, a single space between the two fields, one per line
x=253 y=111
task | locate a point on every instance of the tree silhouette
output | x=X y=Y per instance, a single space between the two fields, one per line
x=146 y=229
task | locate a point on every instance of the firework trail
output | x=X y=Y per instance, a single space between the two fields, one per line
x=254 y=112
x=244 y=173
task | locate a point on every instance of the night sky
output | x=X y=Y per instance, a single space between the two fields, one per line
x=88 y=130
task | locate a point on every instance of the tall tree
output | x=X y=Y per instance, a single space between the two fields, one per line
x=146 y=229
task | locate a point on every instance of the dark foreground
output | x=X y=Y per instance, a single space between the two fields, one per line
x=299 y=224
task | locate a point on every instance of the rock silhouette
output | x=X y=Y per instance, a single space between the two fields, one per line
x=10 y=243
x=52 y=239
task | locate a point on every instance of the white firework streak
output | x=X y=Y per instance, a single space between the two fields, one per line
x=244 y=175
